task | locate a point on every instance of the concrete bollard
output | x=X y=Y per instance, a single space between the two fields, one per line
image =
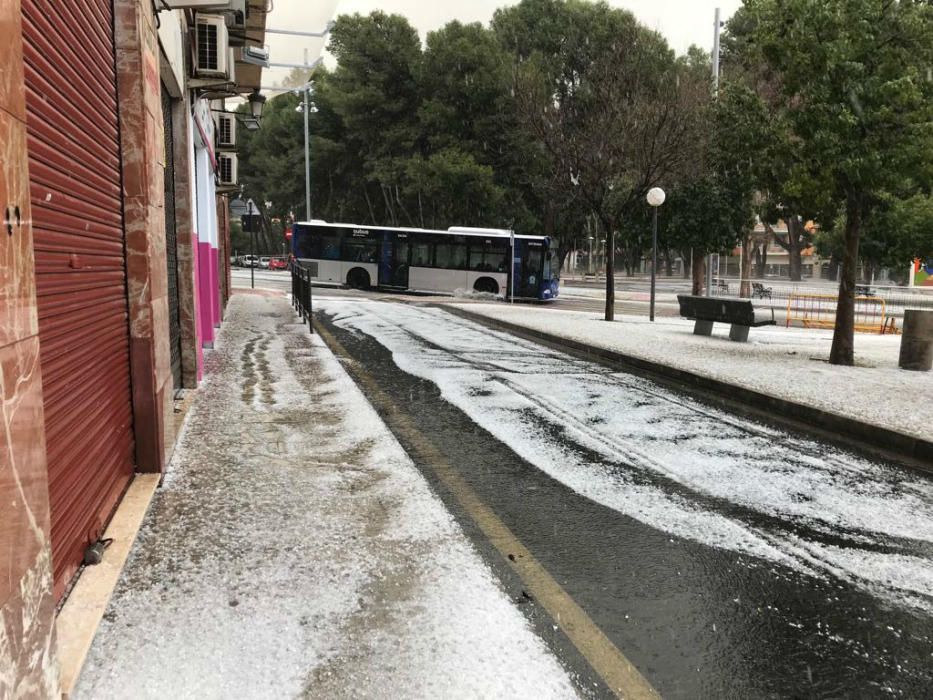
x=917 y=341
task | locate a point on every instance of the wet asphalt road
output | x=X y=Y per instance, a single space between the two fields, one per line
x=723 y=558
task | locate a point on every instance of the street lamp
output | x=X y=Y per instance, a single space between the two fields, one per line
x=307 y=107
x=252 y=244
x=256 y=102
x=655 y=199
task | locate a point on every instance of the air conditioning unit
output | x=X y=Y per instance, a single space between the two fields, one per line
x=255 y=55
x=213 y=47
x=226 y=131
x=226 y=169
x=218 y=5
x=236 y=22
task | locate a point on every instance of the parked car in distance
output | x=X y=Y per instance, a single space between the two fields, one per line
x=250 y=261
x=278 y=264
x=264 y=262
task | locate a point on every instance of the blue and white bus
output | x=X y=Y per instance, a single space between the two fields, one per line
x=448 y=262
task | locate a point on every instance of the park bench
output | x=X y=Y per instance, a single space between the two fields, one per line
x=760 y=291
x=741 y=314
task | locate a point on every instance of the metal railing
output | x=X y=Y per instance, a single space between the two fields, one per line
x=301 y=293
x=819 y=311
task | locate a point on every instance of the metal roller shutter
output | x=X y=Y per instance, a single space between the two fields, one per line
x=75 y=181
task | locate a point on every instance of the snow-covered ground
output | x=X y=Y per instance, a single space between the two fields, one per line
x=295 y=551
x=790 y=363
x=668 y=462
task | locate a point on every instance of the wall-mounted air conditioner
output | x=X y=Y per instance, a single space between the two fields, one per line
x=226 y=131
x=236 y=22
x=226 y=169
x=255 y=55
x=213 y=47
x=219 y=5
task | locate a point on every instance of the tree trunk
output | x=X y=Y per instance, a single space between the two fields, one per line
x=610 y=273
x=843 y=350
x=796 y=241
x=745 y=271
x=688 y=263
x=699 y=272
x=793 y=257
x=668 y=264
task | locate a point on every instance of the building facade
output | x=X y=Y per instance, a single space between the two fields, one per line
x=112 y=274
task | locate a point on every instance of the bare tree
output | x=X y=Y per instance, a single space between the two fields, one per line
x=616 y=130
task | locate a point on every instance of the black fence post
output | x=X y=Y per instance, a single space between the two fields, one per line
x=310 y=307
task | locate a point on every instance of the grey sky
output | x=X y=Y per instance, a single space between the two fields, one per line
x=683 y=22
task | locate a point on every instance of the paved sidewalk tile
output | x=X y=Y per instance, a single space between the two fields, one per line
x=295 y=551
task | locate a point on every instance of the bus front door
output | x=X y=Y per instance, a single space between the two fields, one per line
x=393 y=269
x=529 y=281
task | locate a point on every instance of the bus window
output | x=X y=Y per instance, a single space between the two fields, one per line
x=478 y=258
x=360 y=250
x=499 y=258
x=327 y=246
x=451 y=256
x=420 y=255
x=546 y=273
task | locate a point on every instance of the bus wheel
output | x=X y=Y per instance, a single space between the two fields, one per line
x=486 y=284
x=358 y=278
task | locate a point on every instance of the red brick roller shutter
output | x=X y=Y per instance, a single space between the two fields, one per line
x=74 y=170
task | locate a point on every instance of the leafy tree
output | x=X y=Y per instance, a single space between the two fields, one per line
x=374 y=91
x=270 y=159
x=452 y=187
x=853 y=78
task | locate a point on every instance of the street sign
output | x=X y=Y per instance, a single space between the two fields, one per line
x=250 y=221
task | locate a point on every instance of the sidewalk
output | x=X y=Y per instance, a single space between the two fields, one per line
x=788 y=363
x=295 y=551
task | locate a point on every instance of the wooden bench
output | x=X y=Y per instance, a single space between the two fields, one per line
x=760 y=291
x=741 y=314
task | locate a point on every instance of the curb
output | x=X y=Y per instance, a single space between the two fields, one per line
x=832 y=427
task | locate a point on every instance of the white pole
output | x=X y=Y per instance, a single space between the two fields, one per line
x=911 y=276
x=307 y=160
x=512 y=266
x=716 y=28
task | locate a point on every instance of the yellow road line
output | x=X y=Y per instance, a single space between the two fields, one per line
x=619 y=674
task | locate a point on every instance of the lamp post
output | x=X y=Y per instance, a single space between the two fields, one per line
x=252 y=244
x=655 y=199
x=307 y=158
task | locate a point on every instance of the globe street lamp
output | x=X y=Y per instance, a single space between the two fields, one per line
x=655 y=199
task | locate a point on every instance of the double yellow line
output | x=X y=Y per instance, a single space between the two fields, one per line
x=619 y=674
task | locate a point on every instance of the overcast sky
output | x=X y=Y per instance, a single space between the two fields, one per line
x=683 y=22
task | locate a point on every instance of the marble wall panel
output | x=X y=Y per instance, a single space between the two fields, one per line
x=139 y=90
x=27 y=605
x=18 y=319
x=12 y=90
